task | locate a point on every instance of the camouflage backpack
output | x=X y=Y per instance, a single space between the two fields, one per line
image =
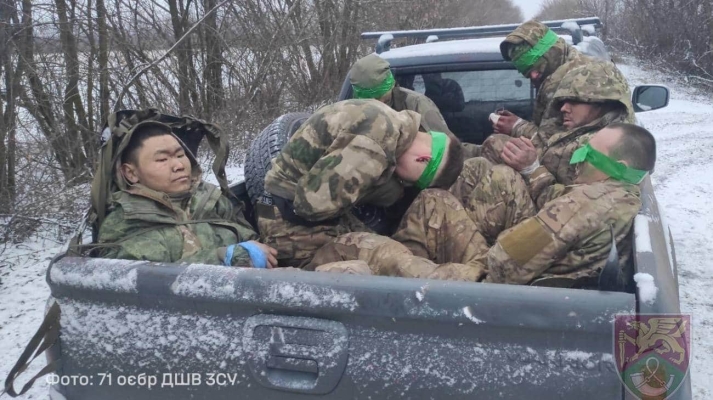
x=114 y=134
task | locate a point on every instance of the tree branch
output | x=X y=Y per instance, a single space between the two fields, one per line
x=168 y=52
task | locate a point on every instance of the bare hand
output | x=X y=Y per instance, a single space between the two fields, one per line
x=270 y=253
x=505 y=123
x=519 y=153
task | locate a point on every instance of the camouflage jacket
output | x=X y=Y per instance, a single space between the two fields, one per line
x=598 y=82
x=146 y=225
x=343 y=155
x=431 y=117
x=569 y=236
x=546 y=118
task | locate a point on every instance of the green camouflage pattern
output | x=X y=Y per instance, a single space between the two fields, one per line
x=143 y=224
x=496 y=197
x=598 y=82
x=340 y=155
x=569 y=237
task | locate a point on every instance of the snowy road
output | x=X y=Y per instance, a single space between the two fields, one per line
x=684 y=187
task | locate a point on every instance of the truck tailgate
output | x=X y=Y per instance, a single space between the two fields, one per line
x=138 y=330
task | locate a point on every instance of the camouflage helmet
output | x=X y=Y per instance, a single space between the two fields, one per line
x=597 y=82
x=371 y=77
x=534 y=35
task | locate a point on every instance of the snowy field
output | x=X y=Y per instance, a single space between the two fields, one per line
x=684 y=188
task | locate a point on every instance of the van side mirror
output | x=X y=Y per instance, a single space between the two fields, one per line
x=650 y=97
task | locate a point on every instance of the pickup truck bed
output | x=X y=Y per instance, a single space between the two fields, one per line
x=277 y=334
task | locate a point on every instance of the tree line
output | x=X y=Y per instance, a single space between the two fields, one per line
x=65 y=65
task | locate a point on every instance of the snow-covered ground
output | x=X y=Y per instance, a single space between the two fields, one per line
x=684 y=133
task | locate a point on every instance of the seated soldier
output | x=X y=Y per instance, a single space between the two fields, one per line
x=165 y=212
x=371 y=78
x=445 y=93
x=348 y=153
x=590 y=97
x=569 y=237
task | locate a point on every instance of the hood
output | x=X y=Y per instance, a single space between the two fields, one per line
x=122 y=184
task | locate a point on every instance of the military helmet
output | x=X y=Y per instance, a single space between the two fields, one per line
x=597 y=82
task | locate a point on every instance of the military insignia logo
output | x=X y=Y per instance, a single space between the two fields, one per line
x=653 y=353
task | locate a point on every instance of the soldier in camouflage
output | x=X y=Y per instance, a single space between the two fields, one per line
x=569 y=237
x=543 y=57
x=348 y=153
x=371 y=78
x=165 y=212
x=590 y=97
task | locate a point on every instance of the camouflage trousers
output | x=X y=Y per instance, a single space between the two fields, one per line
x=436 y=239
x=296 y=244
x=495 y=197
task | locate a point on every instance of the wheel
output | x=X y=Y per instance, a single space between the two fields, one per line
x=265 y=147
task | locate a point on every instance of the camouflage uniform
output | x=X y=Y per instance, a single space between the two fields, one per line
x=147 y=225
x=600 y=83
x=371 y=70
x=569 y=237
x=343 y=155
x=495 y=196
x=554 y=64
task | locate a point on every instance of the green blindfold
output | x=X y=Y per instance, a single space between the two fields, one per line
x=526 y=61
x=375 y=92
x=612 y=168
x=438 y=147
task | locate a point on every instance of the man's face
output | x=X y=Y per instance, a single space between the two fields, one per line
x=576 y=114
x=603 y=141
x=161 y=165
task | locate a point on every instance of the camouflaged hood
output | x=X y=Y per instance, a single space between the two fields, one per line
x=120 y=181
x=530 y=33
x=596 y=82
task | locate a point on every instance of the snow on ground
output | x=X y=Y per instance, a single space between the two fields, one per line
x=684 y=187
x=683 y=182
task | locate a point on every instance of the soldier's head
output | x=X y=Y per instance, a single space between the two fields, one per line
x=589 y=92
x=433 y=160
x=371 y=78
x=155 y=158
x=534 y=49
x=620 y=151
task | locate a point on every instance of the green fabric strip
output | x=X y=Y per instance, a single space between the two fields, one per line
x=526 y=61
x=375 y=92
x=438 y=147
x=612 y=168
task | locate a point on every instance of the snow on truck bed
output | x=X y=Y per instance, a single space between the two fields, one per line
x=684 y=186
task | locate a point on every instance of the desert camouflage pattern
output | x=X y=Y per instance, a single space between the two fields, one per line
x=554 y=64
x=598 y=82
x=340 y=155
x=496 y=197
x=569 y=237
x=386 y=257
x=143 y=224
x=437 y=227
